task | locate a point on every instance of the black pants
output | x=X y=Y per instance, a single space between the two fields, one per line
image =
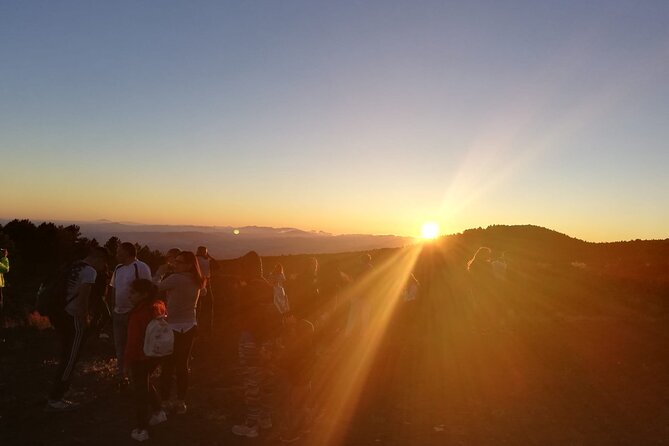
x=100 y=317
x=205 y=313
x=146 y=394
x=177 y=363
x=71 y=331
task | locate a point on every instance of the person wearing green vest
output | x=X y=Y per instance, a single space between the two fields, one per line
x=4 y=268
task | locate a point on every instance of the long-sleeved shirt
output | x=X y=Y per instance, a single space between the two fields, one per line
x=182 y=294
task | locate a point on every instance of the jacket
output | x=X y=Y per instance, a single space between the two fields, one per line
x=138 y=319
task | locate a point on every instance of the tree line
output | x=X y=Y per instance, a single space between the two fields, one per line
x=37 y=251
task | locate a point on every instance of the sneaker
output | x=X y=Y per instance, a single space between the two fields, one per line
x=289 y=438
x=139 y=435
x=265 y=423
x=180 y=407
x=244 y=430
x=167 y=406
x=157 y=418
x=60 y=406
x=123 y=384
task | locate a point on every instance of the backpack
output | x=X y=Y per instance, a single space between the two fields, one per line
x=52 y=293
x=158 y=339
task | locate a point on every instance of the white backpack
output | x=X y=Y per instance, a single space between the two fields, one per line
x=158 y=339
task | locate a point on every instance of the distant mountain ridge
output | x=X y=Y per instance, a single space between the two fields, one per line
x=229 y=241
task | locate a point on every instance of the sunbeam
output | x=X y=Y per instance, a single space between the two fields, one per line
x=375 y=296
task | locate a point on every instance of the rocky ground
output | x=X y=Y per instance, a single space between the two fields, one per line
x=577 y=380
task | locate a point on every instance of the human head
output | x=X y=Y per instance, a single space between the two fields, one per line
x=202 y=251
x=97 y=258
x=126 y=253
x=186 y=262
x=365 y=259
x=172 y=255
x=311 y=265
x=482 y=255
x=142 y=289
x=278 y=269
x=251 y=266
x=4 y=252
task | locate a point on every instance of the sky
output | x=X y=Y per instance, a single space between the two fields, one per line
x=346 y=116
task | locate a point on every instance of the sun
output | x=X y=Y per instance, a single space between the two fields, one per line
x=429 y=230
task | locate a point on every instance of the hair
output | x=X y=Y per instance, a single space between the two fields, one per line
x=99 y=252
x=129 y=248
x=311 y=262
x=173 y=252
x=201 y=251
x=145 y=287
x=478 y=256
x=194 y=267
x=278 y=268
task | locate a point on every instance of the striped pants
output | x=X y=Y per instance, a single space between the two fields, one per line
x=71 y=331
x=258 y=380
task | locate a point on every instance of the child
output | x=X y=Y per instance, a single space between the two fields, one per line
x=277 y=279
x=146 y=307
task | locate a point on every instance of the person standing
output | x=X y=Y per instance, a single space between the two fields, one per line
x=70 y=323
x=260 y=323
x=168 y=267
x=359 y=308
x=147 y=307
x=182 y=290
x=206 y=303
x=303 y=292
x=4 y=269
x=127 y=271
x=277 y=278
x=99 y=310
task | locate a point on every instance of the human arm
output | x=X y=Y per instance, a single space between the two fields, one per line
x=84 y=296
x=143 y=271
x=88 y=278
x=168 y=283
x=161 y=272
x=4 y=265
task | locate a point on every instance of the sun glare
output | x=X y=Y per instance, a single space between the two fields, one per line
x=429 y=230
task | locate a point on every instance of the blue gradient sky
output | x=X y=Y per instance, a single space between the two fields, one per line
x=339 y=116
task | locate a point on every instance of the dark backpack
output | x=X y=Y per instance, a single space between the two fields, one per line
x=52 y=293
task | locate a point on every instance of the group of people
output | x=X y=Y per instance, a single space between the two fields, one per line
x=135 y=298
x=282 y=324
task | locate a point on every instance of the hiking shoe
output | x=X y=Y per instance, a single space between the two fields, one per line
x=123 y=384
x=289 y=438
x=244 y=430
x=139 y=435
x=60 y=405
x=265 y=423
x=180 y=407
x=157 y=418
